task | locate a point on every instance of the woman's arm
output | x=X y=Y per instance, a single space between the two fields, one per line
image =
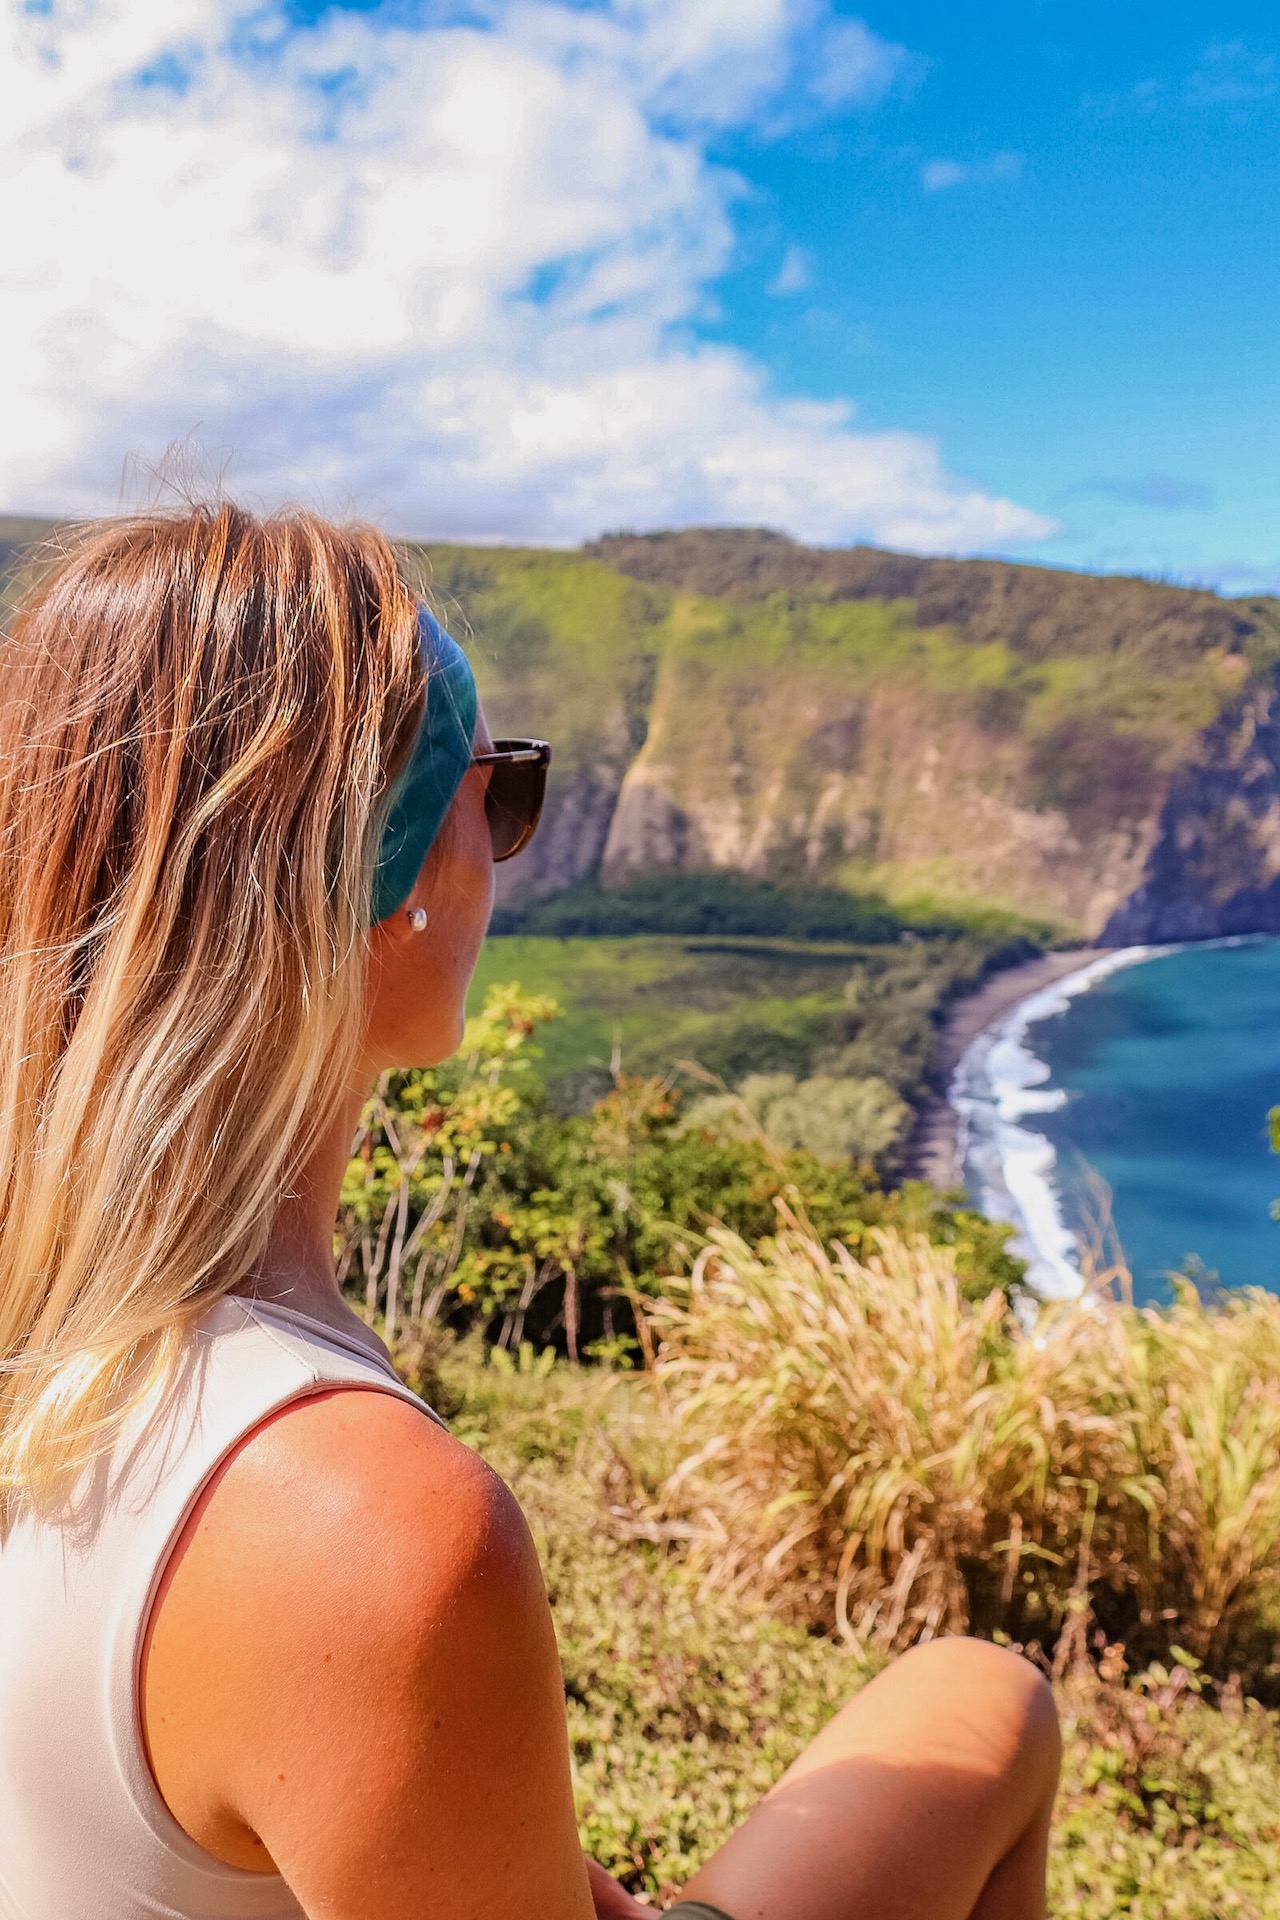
x=352 y=1674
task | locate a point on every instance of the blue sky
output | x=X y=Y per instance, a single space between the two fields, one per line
x=529 y=269
x=1088 y=314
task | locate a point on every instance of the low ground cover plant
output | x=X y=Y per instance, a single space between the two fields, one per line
x=687 y=1697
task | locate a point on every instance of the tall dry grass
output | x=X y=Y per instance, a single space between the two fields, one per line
x=862 y=1443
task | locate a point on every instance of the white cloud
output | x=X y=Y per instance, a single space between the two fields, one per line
x=937 y=175
x=1230 y=73
x=794 y=275
x=444 y=274
x=855 y=65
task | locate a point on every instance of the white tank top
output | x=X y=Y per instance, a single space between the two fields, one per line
x=84 y=1833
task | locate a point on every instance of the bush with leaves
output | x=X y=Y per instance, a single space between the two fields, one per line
x=417 y=1172
x=468 y=1201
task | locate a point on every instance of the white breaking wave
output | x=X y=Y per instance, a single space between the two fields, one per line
x=1009 y=1166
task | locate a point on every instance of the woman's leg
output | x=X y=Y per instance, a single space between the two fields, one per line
x=927 y=1798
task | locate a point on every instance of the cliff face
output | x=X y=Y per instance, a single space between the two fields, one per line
x=1214 y=865
x=967 y=732
x=888 y=786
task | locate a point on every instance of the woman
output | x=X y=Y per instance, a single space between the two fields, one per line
x=273 y=1643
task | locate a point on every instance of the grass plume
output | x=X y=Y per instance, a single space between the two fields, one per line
x=880 y=1455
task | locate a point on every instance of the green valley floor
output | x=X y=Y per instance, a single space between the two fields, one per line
x=736 y=1005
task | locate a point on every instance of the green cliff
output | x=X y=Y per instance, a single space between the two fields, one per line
x=970 y=733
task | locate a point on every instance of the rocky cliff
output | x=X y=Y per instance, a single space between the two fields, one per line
x=967 y=732
x=1214 y=864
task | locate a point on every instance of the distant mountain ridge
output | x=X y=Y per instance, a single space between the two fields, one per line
x=1210 y=828
x=17 y=533
x=1100 y=752
x=1039 y=612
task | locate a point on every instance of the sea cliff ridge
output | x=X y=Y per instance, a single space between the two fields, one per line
x=1098 y=753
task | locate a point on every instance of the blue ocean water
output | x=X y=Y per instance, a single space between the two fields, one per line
x=1169 y=1069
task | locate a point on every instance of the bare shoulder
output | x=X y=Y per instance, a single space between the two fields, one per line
x=351 y=1479
x=353 y=1630
x=349 y=1503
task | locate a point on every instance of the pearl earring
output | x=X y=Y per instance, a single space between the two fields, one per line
x=417 y=918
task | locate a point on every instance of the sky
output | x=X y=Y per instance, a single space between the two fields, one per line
x=1000 y=279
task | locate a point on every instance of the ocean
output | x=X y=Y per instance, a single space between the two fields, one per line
x=1139 y=1086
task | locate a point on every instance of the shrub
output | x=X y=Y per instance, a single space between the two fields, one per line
x=832 y=1118
x=469 y=1203
x=883 y=1455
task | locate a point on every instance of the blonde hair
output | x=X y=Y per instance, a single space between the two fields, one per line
x=200 y=717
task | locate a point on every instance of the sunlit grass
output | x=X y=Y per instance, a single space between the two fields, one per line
x=886 y=1458
x=736 y=1005
x=687 y=1699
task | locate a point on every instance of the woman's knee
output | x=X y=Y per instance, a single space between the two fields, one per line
x=983 y=1705
x=928 y=1779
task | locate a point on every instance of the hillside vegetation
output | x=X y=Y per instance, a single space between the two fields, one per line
x=472 y=1204
x=732 y=1005
x=817 y=1434
x=1038 y=613
x=965 y=733
x=689 y=1691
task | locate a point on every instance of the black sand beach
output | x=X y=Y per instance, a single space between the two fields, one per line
x=932 y=1149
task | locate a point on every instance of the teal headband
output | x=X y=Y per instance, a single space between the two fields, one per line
x=441 y=755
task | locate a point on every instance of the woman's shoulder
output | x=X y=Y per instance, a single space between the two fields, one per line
x=354 y=1499
x=354 y=1457
x=355 y=1603
x=373 y=1468
x=347 y=1502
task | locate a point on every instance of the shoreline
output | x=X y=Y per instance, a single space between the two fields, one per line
x=932 y=1149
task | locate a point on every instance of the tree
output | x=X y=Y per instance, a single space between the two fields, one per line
x=424 y=1137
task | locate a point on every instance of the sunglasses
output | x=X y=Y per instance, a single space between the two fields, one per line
x=517 y=788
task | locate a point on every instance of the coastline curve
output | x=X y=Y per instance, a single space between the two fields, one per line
x=998 y=1085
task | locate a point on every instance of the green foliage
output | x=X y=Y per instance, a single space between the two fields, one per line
x=734 y=906
x=686 y=1702
x=1165 y=1809
x=1036 y=612
x=833 y=1119
x=703 y=903
x=424 y=1140
x=469 y=1201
